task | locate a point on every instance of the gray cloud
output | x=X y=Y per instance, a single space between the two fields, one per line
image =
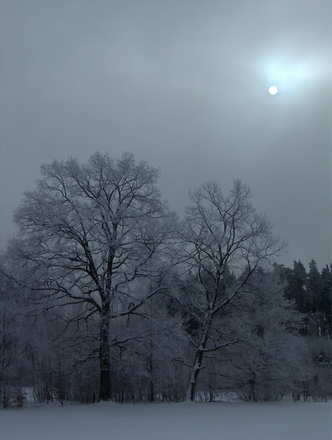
x=183 y=84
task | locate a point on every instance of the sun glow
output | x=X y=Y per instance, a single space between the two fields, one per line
x=290 y=75
x=273 y=90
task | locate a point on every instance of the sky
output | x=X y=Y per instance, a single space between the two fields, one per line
x=183 y=84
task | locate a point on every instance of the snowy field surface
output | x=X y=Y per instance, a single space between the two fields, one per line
x=220 y=420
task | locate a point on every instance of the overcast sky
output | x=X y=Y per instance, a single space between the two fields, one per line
x=184 y=85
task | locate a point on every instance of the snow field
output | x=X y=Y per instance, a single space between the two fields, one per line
x=219 y=420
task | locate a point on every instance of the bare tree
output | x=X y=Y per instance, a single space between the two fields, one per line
x=12 y=340
x=87 y=234
x=221 y=235
x=268 y=360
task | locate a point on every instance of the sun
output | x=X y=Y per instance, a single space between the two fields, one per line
x=273 y=90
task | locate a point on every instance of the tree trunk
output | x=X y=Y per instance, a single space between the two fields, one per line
x=151 y=384
x=194 y=375
x=104 y=355
x=197 y=365
x=252 y=382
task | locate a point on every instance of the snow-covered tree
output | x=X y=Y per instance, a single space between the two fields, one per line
x=145 y=365
x=87 y=234
x=221 y=234
x=268 y=360
x=12 y=341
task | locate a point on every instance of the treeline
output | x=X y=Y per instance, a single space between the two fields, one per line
x=311 y=293
x=105 y=294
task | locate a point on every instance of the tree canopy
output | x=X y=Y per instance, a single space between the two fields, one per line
x=105 y=294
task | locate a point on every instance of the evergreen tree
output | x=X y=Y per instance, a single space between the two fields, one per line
x=296 y=286
x=314 y=294
x=326 y=301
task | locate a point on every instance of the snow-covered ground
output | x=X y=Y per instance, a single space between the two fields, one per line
x=220 y=420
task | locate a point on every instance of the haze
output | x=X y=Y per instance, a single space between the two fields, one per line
x=183 y=85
